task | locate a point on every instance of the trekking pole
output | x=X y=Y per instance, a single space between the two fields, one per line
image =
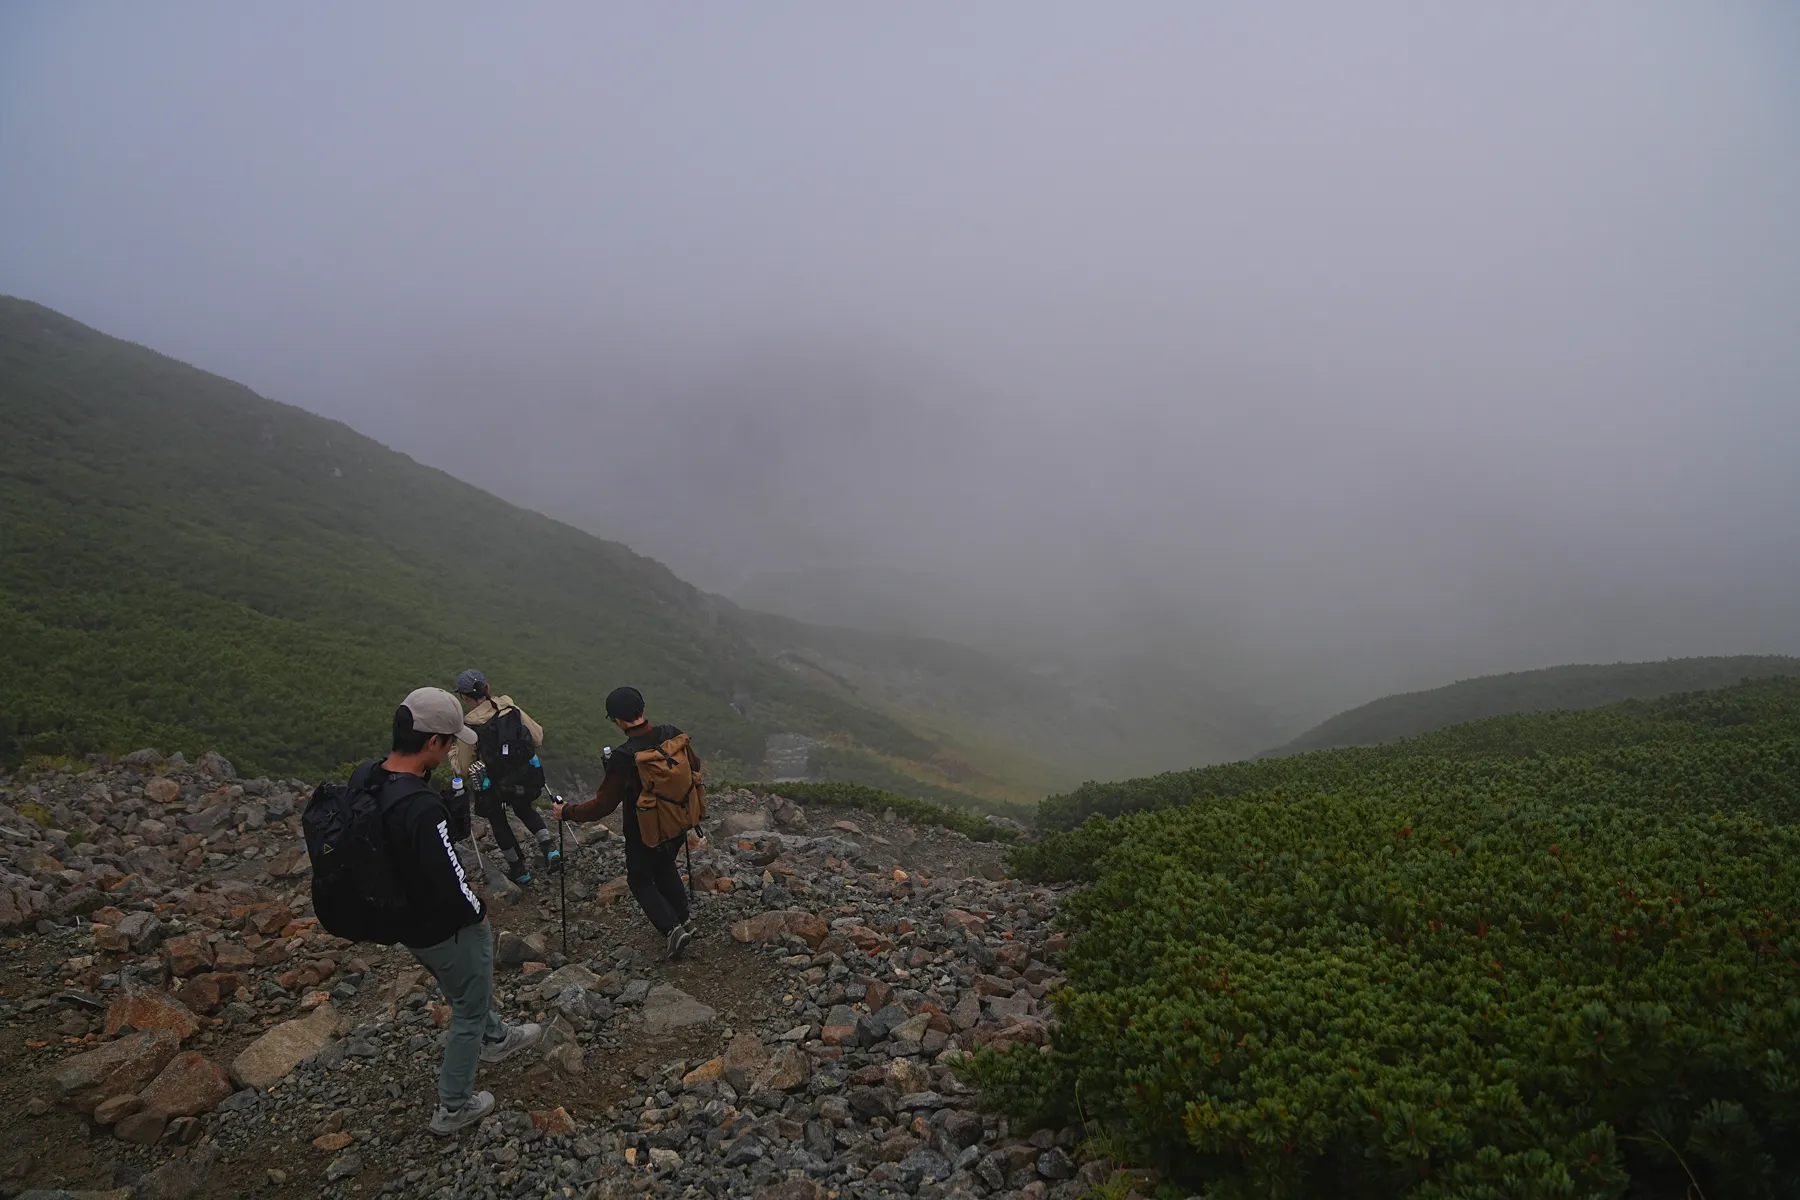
x=562 y=880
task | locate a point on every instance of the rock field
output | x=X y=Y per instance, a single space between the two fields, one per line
x=173 y=1024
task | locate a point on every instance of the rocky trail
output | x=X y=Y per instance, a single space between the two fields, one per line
x=173 y=1024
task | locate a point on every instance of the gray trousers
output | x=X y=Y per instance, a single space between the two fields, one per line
x=463 y=965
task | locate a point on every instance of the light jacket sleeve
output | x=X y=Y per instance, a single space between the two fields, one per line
x=462 y=757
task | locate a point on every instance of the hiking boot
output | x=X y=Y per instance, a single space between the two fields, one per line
x=519 y=873
x=518 y=1037
x=679 y=937
x=444 y=1122
x=553 y=860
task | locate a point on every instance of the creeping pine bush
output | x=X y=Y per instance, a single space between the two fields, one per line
x=1724 y=715
x=1533 y=976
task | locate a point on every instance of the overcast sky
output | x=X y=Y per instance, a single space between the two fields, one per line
x=1351 y=347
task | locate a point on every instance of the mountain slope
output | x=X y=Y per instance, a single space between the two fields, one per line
x=1573 y=687
x=1046 y=727
x=187 y=564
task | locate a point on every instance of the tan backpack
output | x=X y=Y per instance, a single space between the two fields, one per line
x=673 y=799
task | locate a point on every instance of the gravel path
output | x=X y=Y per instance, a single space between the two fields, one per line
x=174 y=1025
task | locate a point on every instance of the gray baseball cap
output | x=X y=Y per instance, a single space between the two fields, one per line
x=436 y=711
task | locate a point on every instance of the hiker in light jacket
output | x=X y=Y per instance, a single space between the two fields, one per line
x=505 y=789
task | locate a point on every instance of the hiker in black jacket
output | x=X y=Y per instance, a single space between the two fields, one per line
x=651 y=871
x=444 y=923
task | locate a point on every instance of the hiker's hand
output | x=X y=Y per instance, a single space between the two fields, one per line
x=556 y=809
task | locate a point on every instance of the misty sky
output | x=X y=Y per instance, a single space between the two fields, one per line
x=1331 y=348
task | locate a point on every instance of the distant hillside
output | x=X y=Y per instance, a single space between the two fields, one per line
x=1575 y=687
x=186 y=564
x=1739 y=711
x=1049 y=728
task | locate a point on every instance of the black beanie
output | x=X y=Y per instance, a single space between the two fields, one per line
x=625 y=704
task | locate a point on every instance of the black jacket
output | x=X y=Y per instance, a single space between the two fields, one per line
x=440 y=900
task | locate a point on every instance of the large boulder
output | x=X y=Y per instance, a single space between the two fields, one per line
x=271 y=1056
x=668 y=1008
x=779 y=923
x=141 y=930
x=216 y=765
x=112 y=1068
x=143 y=1008
x=290 y=863
x=785 y=1070
x=187 y=955
x=208 y=820
x=190 y=1085
x=737 y=824
x=20 y=906
x=205 y=993
x=574 y=974
x=180 y=1178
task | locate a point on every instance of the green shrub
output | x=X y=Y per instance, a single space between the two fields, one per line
x=1728 y=715
x=1520 y=975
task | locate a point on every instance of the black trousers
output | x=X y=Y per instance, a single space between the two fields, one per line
x=493 y=806
x=654 y=875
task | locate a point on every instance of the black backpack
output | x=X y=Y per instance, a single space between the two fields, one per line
x=509 y=754
x=356 y=891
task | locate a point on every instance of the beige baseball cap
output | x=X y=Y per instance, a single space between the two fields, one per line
x=436 y=711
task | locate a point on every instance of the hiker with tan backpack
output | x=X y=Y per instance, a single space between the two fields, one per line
x=656 y=775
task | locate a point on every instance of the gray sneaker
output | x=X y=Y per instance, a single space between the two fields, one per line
x=444 y=1122
x=679 y=937
x=518 y=1037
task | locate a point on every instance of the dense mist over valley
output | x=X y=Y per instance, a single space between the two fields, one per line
x=1285 y=358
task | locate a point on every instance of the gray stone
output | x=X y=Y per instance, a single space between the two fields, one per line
x=216 y=765
x=872 y=1101
x=920 y=1100
x=510 y=949
x=924 y=1166
x=141 y=930
x=962 y=1129
x=142 y=758
x=264 y=1061
x=634 y=992
x=1054 y=1164
x=668 y=1008
x=573 y=974
x=241 y=1101
x=179 y=1178
x=344 y=1167
x=208 y=820
x=736 y=824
